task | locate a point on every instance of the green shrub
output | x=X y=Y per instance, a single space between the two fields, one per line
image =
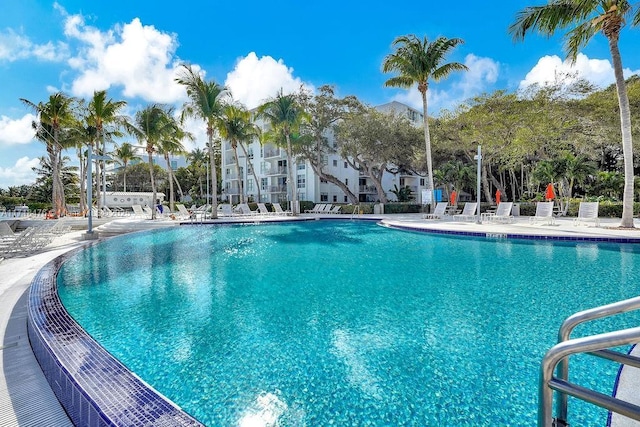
x=401 y=208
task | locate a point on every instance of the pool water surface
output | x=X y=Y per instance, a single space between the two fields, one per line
x=346 y=323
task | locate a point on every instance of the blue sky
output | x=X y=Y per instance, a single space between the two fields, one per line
x=133 y=48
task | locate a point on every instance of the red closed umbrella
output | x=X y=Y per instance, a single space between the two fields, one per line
x=498 y=194
x=452 y=198
x=550 y=194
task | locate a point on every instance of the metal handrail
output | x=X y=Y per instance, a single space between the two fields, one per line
x=597 y=345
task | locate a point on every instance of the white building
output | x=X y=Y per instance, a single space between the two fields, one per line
x=270 y=164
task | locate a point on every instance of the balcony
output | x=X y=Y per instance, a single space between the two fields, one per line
x=271 y=152
x=368 y=189
x=274 y=188
x=280 y=170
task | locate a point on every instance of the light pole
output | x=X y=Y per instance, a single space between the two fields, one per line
x=478 y=157
x=89 y=235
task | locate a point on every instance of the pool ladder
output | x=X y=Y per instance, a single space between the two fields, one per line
x=597 y=345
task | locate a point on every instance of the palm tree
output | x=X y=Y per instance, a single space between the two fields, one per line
x=197 y=159
x=104 y=115
x=124 y=154
x=152 y=125
x=171 y=144
x=236 y=126
x=285 y=115
x=587 y=18
x=205 y=102
x=53 y=117
x=417 y=61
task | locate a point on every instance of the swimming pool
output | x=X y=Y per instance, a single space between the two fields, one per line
x=345 y=323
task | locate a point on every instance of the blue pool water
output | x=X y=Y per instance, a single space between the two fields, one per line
x=346 y=323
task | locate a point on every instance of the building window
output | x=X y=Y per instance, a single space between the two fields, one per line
x=301 y=181
x=346 y=165
x=422 y=182
x=228 y=171
x=335 y=198
x=323 y=181
x=264 y=183
x=250 y=153
x=302 y=196
x=335 y=163
x=402 y=184
x=325 y=160
x=346 y=199
x=301 y=166
x=174 y=165
x=249 y=185
x=346 y=181
x=324 y=197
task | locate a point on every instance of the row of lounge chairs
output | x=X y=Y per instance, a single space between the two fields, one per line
x=587 y=212
x=324 y=208
x=30 y=240
x=227 y=210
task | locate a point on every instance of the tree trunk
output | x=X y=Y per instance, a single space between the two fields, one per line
x=332 y=179
x=377 y=180
x=294 y=185
x=240 y=183
x=253 y=170
x=427 y=143
x=153 y=182
x=625 y=127
x=485 y=184
x=172 y=204
x=214 y=174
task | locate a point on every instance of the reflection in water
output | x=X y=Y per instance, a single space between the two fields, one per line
x=266 y=411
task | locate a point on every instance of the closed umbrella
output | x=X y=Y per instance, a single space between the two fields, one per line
x=452 y=198
x=498 y=194
x=550 y=194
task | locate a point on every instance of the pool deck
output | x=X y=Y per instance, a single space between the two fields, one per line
x=26 y=398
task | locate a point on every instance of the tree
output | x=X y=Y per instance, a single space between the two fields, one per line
x=151 y=125
x=371 y=141
x=285 y=116
x=206 y=103
x=197 y=160
x=124 y=154
x=171 y=144
x=325 y=111
x=236 y=126
x=104 y=115
x=417 y=61
x=587 y=18
x=53 y=117
x=42 y=188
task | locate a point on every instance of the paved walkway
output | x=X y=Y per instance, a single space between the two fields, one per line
x=25 y=396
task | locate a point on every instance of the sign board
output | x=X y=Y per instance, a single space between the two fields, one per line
x=426 y=197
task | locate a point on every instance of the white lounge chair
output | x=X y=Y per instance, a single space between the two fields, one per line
x=544 y=212
x=588 y=211
x=280 y=211
x=502 y=214
x=317 y=208
x=438 y=212
x=138 y=212
x=225 y=209
x=183 y=213
x=335 y=210
x=468 y=212
x=262 y=209
x=244 y=209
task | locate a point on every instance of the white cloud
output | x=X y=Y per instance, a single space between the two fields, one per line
x=20 y=173
x=139 y=58
x=15 y=47
x=550 y=68
x=254 y=80
x=18 y=131
x=481 y=74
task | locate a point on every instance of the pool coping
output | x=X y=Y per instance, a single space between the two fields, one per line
x=94 y=388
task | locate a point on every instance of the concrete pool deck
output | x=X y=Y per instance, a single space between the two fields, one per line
x=25 y=396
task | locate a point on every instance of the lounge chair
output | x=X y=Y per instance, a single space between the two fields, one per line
x=280 y=211
x=317 y=208
x=588 y=211
x=138 y=212
x=544 y=212
x=468 y=212
x=183 y=213
x=327 y=208
x=225 y=209
x=262 y=209
x=335 y=210
x=438 y=212
x=244 y=209
x=502 y=213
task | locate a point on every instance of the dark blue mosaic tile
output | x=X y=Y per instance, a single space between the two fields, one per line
x=94 y=388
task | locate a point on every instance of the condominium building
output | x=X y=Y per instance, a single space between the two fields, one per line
x=263 y=173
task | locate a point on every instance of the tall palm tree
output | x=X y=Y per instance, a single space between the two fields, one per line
x=416 y=61
x=236 y=126
x=205 y=102
x=285 y=115
x=584 y=19
x=104 y=115
x=151 y=125
x=124 y=154
x=53 y=117
x=172 y=144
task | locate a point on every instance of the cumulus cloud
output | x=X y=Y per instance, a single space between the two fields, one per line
x=139 y=58
x=15 y=47
x=551 y=68
x=16 y=131
x=20 y=173
x=254 y=80
x=481 y=74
